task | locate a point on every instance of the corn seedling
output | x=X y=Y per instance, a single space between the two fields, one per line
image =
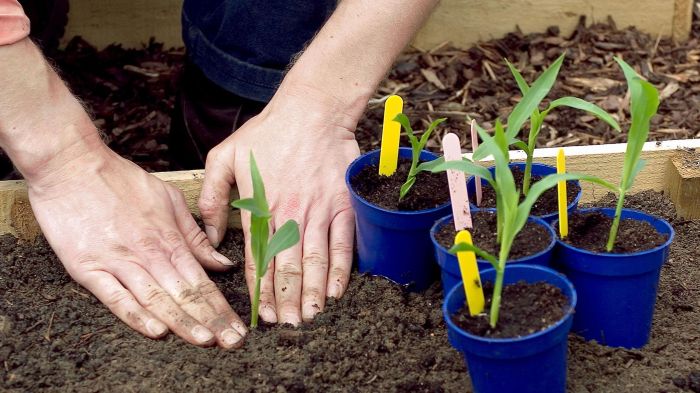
x=263 y=247
x=417 y=146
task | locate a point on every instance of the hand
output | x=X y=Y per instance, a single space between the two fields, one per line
x=129 y=239
x=303 y=147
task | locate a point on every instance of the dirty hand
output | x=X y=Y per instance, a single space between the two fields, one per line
x=129 y=238
x=303 y=144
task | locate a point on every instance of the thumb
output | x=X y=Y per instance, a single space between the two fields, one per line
x=214 y=199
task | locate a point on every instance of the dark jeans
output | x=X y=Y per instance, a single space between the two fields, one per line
x=237 y=51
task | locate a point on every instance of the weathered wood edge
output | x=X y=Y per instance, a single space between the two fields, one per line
x=605 y=161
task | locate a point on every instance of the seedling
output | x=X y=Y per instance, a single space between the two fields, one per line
x=263 y=250
x=529 y=106
x=417 y=146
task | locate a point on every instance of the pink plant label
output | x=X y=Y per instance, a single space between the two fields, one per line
x=475 y=145
x=458 y=186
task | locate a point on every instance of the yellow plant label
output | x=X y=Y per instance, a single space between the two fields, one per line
x=561 y=189
x=391 y=131
x=470 y=275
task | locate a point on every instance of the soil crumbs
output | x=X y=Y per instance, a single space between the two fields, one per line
x=55 y=336
x=525 y=309
x=590 y=231
x=532 y=239
x=547 y=203
x=429 y=191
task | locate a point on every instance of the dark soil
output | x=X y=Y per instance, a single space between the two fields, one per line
x=525 y=309
x=590 y=231
x=547 y=203
x=531 y=239
x=376 y=338
x=430 y=190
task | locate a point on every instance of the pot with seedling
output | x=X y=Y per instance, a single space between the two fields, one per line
x=614 y=256
x=529 y=107
x=521 y=344
x=395 y=205
x=263 y=247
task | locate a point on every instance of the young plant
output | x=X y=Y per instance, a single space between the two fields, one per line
x=417 y=146
x=529 y=107
x=263 y=250
x=511 y=214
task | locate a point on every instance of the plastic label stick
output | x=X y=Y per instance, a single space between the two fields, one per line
x=391 y=132
x=470 y=275
x=561 y=189
x=461 y=215
x=475 y=145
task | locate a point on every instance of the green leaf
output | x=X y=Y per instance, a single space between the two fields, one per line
x=406 y=187
x=259 y=233
x=577 y=103
x=426 y=134
x=522 y=85
x=406 y=124
x=258 y=186
x=283 y=238
x=429 y=166
x=464 y=166
x=644 y=103
x=637 y=168
x=251 y=205
x=459 y=247
x=520 y=145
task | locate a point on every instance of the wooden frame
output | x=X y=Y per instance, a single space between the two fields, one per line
x=463 y=22
x=660 y=174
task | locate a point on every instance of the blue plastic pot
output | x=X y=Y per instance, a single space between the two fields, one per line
x=537 y=169
x=617 y=291
x=449 y=267
x=394 y=244
x=535 y=363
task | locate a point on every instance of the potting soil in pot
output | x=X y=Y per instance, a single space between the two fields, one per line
x=590 y=231
x=429 y=191
x=376 y=338
x=525 y=309
x=532 y=239
x=547 y=203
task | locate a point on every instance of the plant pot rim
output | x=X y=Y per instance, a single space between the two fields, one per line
x=570 y=206
x=572 y=306
x=611 y=210
x=407 y=213
x=439 y=223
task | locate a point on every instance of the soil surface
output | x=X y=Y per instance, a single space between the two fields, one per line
x=532 y=239
x=56 y=337
x=547 y=203
x=590 y=231
x=430 y=190
x=525 y=309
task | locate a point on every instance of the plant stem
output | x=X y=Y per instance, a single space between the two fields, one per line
x=256 y=304
x=528 y=173
x=616 y=222
x=497 y=289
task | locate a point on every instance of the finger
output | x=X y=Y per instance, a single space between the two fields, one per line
x=121 y=302
x=287 y=283
x=156 y=300
x=197 y=241
x=341 y=248
x=314 y=264
x=267 y=309
x=215 y=196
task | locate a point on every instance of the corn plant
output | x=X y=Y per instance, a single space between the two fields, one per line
x=263 y=247
x=417 y=146
x=529 y=106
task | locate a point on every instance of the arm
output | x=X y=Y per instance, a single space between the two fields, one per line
x=120 y=232
x=304 y=140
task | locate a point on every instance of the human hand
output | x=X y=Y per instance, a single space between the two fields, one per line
x=303 y=147
x=130 y=239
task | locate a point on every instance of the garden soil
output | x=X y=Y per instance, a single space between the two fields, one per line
x=56 y=337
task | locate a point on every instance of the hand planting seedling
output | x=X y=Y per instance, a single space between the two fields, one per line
x=263 y=250
x=529 y=107
x=417 y=146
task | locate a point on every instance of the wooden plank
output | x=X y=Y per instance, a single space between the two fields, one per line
x=464 y=22
x=604 y=161
x=684 y=183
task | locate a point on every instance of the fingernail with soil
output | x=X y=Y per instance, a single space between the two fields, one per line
x=240 y=328
x=212 y=234
x=202 y=334
x=221 y=258
x=156 y=327
x=268 y=314
x=335 y=290
x=309 y=310
x=230 y=338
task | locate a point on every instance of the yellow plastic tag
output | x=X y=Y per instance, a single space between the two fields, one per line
x=470 y=275
x=561 y=189
x=391 y=131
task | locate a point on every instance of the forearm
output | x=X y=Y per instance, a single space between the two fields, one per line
x=42 y=126
x=356 y=47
